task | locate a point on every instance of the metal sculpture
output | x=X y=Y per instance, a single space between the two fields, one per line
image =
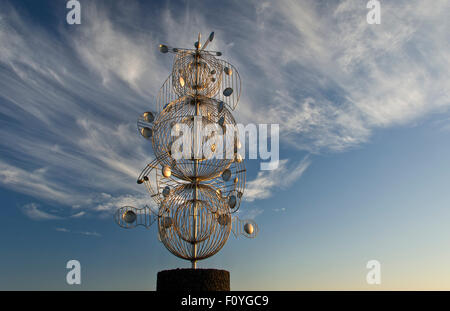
x=195 y=180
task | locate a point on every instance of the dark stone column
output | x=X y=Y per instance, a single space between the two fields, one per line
x=193 y=280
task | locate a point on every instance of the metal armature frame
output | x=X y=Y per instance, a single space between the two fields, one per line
x=179 y=231
x=138 y=217
x=182 y=113
x=232 y=184
x=196 y=73
x=157 y=185
x=195 y=195
x=239 y=227
x=226 y=77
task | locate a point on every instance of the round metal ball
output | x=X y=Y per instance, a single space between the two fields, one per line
x=248 y=228
x=226 y=175
x=129 y=217
x=166 y=191
x=163 y=48
x=148 y=116
x=228 y=71
x=166 y=171
x=228 y=91
x=146 y=132
x=232 y=201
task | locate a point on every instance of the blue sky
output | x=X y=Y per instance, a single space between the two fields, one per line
x=364 y=130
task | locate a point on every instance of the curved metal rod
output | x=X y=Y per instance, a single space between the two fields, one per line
x=142 y=217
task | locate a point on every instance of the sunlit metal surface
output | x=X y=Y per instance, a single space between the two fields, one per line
x=194 y=196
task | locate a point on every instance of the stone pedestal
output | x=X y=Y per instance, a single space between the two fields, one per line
x=193 y=280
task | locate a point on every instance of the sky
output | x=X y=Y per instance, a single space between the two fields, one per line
x=364 y=116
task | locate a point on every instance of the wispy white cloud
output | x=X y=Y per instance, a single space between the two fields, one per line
x=69 y=102
x=330 y=79
x=283 y=209
x=78 y=215
x=249 y=213
x=32 y=211
x=110 y=203
x=266 y=182
x=87 y=233
x=62 y=229
x=71 y=132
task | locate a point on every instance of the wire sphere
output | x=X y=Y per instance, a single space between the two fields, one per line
x=196 y=73
x=194 y=224
x=214 y=153
x=230 y=184
x=227 y=80
x=194 y=214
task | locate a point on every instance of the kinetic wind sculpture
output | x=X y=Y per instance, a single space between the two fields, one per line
x=197 y=194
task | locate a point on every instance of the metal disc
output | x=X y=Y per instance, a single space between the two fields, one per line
x=232 y=201
x=163 y=48
x=248 y=227
x=226 y=175
x=228 y=71
x=129 y=217
x=146 y=132
x=166 y=191
x=148 y=116
x=228 y=91
x=166 y=171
